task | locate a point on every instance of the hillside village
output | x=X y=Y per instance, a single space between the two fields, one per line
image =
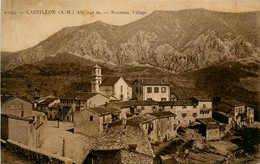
x=117 y=122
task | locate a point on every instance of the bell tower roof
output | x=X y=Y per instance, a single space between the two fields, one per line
x=96 y=66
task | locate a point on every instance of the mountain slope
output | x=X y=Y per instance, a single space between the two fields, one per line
x=175 y=40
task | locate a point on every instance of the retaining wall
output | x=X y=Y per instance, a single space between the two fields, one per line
x=33 y=154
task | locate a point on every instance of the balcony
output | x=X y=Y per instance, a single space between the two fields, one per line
x=205 y=110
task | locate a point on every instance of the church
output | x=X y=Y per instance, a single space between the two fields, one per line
x=116 y=88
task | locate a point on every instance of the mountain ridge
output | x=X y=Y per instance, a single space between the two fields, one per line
x=162 y=39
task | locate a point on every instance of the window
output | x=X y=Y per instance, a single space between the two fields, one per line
x=149 y=89
x=194 y=106
x=184 y=115
x=194 y=114
x=163 y=89
x=163 y=99
x=12 y=106
x=184 y=107
x=156 y=89
x=63 y=117
x=68 y=118
x=204 y=106
x=50 y=116
x=140 y=90
x=149 y=99
x=136 y=89
x=121 y=88
x=22 y=113
x=91 y=118
x=21 y=105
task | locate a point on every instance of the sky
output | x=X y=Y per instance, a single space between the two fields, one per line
x=21 y=29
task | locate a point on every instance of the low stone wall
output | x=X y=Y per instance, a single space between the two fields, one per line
x=35 y=155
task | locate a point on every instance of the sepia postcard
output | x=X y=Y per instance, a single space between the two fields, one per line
x=130 y=81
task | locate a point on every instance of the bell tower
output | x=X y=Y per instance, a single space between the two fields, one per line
x=96 y=79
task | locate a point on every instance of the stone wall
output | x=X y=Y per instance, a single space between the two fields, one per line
x=213 y=132
x=19 y=131
x=35 y=155
x=134 y=157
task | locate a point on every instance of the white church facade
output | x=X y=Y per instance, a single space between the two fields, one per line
x=115 y=88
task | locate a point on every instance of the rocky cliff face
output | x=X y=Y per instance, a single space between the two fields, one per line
x=177 y=41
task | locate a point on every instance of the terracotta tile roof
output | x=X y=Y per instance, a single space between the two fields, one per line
x=147 y=103
x=109 y=81
x=47 y=101
x=207 y=121
x=201 y=98
x=85 y=95
x=5 y=99
x=233 y=103
x=105 y=110
x=163 y=114
x=177 y=103
x=119 y=137
x=126 y=104
x=69 y=96
x=151 y=81
x=225 y=108
x=166 y=103
x=136 y=120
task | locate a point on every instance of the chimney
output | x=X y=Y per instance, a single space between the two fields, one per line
x=132 y=147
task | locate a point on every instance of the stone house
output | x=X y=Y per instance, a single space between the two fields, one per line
x=148 y=124
x=92 y=121
x=16 y=106
x=234 y=113
x=44 y=103
x=135 y=107
x=204 y=106
x=167 y=126
x=113 y=87
x=90 y=100
x=151 y=89
x=186 y=110
x=122 y=142
x=60 y=111
x=209 y=128
x=29 y=130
